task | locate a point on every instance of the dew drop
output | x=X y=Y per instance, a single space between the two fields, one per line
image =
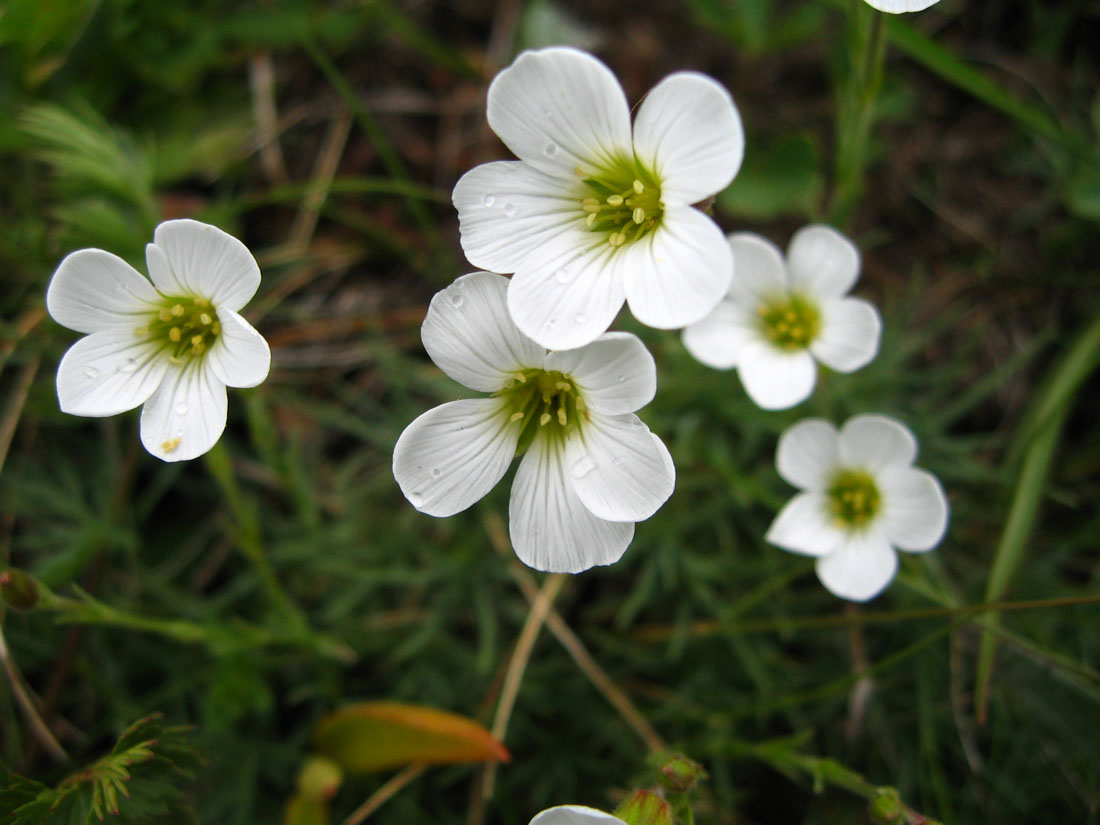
x=490 y=200
x=582 y=319
x=129 y=365
x=415 y=498
x=551 y=149
x=91 y=372
x=436 y=473
x=509 y=210
x=618 y=461
x=582 y=467
x=563 y=276
x=181 y=409
x=457 y=300
x=553 y=322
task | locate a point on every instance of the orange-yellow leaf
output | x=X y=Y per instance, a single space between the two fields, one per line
x=371 y=736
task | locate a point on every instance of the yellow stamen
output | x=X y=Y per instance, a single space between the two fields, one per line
x=639 y=215
x=165 y=314
x=561 y=416
x=615 y=200
x=544 y=419
x=178 y=310
x=639 y=187
x=170 y=445
x=518 y=416
x=174 y=335
x=206 y=318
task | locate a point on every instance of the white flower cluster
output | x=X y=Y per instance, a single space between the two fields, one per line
x=596 y=212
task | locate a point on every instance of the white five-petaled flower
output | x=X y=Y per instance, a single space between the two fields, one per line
x=594 y=213
x=590 y=467
x=778 y=317
x=861 y=498
x=172 y=345
x=900 y=6
x=575 y=815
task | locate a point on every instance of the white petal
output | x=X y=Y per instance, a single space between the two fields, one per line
x=899 y=6
x=807 y=454
x=509 y=211
x=718 y=339
x=575 y=815
x=803 y=526
x=566 y=298
x=560 y=109
x=914 y=515
x=822 y=262
x=860 y=568
x=677 y=274
x=876 y=442
x=109 y=372
x=192 y=258
x=850 y=333
x=616 y=469
x=759 y=272
x=185 y=417
x=469 y=334
x=550 y=528
x=775 y=379
x=94 y=290
x=688 y=131
x=615 y=373
x=452 y=455
x=240 y=356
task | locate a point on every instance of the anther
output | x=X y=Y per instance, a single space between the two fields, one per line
x=639 y=215
x=521 y=378
x=591 y=219
x=562 y=385
x=175 y=335
x=206 y=318
x=591 y=205
x=216 y=328
x=518 y=416
x=544 y=419
x=578 y=172
x=196 y=340
x=141 y=332
x=201 y=302
x=639 y=187
x=165 y=314
x=177 y=310
x=616 y=239
x=615 y=200
x=561 y=416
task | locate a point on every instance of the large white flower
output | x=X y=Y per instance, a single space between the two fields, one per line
x=590 y=467
x=861 y=498
x=172 y=345
x=778 y=317
x=575 y=815
x=593 y=213
x=900 y=6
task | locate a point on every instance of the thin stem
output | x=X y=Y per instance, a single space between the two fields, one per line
x=383 y=795
x=22 y=696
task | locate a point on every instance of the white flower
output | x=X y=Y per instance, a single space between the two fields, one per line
x=590 y=468
x=778 y=317
x=592 y=214
x=172 y=345
x=575 y=815
x=900 y=6
x=861 y=498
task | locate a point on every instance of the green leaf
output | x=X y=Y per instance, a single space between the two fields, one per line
x=782 y=178
x=371 y=736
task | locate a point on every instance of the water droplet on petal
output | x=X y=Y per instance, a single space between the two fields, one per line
x=620 y=378
x=457 y=300
x=129 y=365
x=437 y=472
x=490 y=200
x=553 y=322
x=91 y=372
x=181 y=409
x=415 y=498
x=582 y=319
x=582 y=467
x=563 y=276
x=618 y=461
x=551 y=149
x=509 y=210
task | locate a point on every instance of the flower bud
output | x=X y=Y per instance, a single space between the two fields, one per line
x=18 y=589
x=645 y=808
x=678 y=774
x=320 y=778
x=886 y=808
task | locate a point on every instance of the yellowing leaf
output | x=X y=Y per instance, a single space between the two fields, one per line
x=371 y=736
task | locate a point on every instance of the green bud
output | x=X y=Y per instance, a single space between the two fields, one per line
x=886 y=807
x=645 y=808
x=19 y=590
x=320 y=778
x=678 y=774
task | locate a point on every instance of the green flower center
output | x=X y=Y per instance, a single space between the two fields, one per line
x=624 y=204
x=185 y=326
x=545 y=401
x=853 y=498
x=790 y=322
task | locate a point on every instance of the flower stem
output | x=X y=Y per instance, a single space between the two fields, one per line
x=856 y=107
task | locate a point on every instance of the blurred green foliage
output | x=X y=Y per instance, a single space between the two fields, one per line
x=978 y=227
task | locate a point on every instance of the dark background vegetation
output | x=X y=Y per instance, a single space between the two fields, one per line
x=978 y=227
